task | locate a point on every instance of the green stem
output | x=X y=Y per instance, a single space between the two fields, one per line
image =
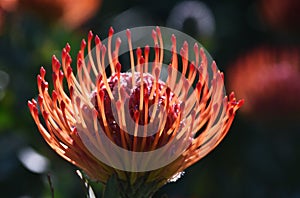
x=116 y=187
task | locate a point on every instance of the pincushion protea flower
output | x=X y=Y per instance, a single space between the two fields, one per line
x=188 y=123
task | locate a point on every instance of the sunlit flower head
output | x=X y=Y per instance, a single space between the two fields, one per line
x=150 y=122
x=269 y=79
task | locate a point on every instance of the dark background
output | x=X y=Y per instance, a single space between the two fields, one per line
x=258 y=158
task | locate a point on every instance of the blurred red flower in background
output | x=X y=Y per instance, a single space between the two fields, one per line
x=70 y=13
x=6 y=6
x=281 y=15
x=269 y=79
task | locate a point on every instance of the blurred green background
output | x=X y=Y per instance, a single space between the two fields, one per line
x=260 y=157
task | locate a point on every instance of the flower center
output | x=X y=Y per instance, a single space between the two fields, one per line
x=143 y=113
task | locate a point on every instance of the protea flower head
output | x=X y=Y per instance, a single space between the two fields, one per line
x=145 y=125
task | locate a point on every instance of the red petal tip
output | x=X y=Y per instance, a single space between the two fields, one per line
x=42 y=72
x=97 y=40
x=111 y=31
x=83 y=44
x=68 y=47
x=90 y=35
